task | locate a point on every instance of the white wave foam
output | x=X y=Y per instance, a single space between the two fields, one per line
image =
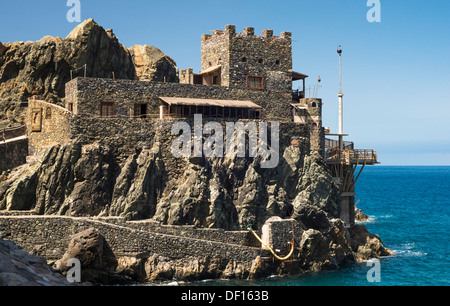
x=388 y=216
x=408 y=250
x=174 y=283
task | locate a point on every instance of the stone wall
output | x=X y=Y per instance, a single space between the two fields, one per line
x=87 y=93
x=267 y=56
x=47 y=124
x=124 y=135
x=13 y=154
x=10 y=133
x=215 y=51
x=243 y=238
x=53 y=234
x=246 y=54
x=127 y=135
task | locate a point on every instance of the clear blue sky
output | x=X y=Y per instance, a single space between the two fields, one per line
x=396 y=73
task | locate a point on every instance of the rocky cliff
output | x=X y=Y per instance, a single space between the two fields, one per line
x=44 y=67
x=81 y=180
x=229 y=193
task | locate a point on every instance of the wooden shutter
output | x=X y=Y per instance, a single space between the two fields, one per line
x=107 y=109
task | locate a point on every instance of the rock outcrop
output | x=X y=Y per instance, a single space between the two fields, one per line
x=360 y=216
x=79 y=180
x=366 y=245
x=19 y=268
x=87 y=247
x=151 y=64
x=44 y=67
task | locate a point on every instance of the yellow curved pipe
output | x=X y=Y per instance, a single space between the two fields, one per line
x=270 y=249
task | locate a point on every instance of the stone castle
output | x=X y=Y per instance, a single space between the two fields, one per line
x=105 y=156
x=243 y=77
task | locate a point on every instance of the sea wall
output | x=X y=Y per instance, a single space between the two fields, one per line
x=52 y=234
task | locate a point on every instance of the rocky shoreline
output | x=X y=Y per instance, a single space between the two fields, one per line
x=328 y=247
x=86 y=183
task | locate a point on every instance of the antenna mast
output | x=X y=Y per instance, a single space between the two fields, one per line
x=341 y=102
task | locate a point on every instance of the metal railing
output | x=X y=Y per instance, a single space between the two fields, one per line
x=14 y=132
x=348 y=156
x=297 y=95
x=334 y=144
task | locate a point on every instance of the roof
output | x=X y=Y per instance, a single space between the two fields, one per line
x=298 y=76
x=211 y=69
x=209 y=102
x=298 y=106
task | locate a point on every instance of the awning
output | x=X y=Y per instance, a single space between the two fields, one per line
x=298 y=106
x=298 y=76
x=209 y=102
x=211 y=69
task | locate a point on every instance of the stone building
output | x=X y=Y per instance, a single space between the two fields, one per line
x=244 y=76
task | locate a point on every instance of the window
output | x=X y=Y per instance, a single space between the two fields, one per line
x=255 y=82
x=48 y=113
x=314 y=104
x=198 y=79
x=70 y=107
x=277 y=62
x=107 y=109
x=244 y=59
x=215 y=80
x=140 y=110
x=260 y=60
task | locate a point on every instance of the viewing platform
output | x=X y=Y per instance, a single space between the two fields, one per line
x=351 y=157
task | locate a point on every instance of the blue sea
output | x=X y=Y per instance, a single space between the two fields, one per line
x=409 y=208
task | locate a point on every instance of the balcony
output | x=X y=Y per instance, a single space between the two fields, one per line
x=297 y=95
x=351 y=157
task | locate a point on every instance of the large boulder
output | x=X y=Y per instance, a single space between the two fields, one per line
x=151 y=64
x=366 y=245
x=87 y=247
x=19 y=268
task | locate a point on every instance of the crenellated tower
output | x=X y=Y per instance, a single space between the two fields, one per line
x=245 y=60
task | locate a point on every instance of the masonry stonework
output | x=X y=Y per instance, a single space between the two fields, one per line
x=127 y=238
x=47 y=124
x=13 y=154
x=86 y=94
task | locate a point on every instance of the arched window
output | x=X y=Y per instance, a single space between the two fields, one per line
x=48 y=113
x=314 y=104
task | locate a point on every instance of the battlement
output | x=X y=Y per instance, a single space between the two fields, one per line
x=245 y=60
x=230 y=31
